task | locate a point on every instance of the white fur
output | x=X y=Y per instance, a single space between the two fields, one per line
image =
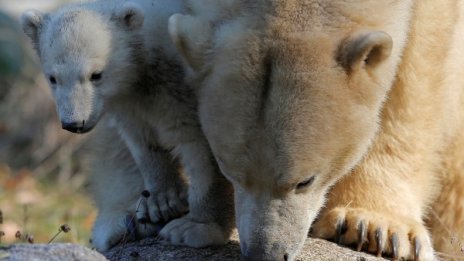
x=146 y=104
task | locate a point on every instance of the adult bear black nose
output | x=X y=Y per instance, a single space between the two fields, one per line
x=75 y=127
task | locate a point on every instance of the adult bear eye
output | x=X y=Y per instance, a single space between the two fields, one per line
x=52 y=79
x=96 y=76
x=305 y=183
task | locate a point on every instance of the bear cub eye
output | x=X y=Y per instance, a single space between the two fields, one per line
x=305 y=183
x=96 y=76
x=52 y=79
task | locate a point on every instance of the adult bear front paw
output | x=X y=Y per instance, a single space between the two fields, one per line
x=377 y=233
x=187 y=232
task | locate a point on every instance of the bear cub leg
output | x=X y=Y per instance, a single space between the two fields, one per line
x=210 y=220
x=167 y=189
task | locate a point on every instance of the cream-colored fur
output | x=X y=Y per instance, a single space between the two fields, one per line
x=358 y=104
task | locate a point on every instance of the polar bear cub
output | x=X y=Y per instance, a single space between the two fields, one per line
x=114 y=58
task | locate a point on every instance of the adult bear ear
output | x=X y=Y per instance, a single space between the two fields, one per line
x=366 y=50
x=191 y=36
x=130 y=15
x=31 y=23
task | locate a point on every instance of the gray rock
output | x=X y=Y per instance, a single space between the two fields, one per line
x=51 y=252
x=150 y=249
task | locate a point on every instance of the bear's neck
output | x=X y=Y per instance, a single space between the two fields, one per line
x=156 y=76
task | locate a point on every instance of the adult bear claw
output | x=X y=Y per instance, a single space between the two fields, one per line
x=417 y=248
x=362 y=235
x=341 y=229
x=379 y=240
x=395 y=246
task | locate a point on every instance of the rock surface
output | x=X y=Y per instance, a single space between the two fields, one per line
x=149 y=249
x=51 y=252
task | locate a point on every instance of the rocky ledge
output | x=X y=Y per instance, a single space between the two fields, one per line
x=149 y=249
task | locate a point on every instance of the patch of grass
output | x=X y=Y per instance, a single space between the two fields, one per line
x=39 y=207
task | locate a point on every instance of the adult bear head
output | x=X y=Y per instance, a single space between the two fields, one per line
x=289 y=101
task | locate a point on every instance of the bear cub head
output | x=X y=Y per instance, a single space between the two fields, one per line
x=86 y=52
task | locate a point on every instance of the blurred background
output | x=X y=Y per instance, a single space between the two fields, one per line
x=43 y=181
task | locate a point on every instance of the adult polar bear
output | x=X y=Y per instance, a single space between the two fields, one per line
x=115 y=58
x=295 y=94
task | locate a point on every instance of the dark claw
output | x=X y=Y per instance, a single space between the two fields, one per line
x=159 y=226
x=310 y=232
x=341 y=229
x=378 y=240
x=362 y=235
x=395 y=246
x=145 y=193
x=131 y=227
x=417 y=248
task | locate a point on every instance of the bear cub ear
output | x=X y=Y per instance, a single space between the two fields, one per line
x=31 y=22
x=365 y=50
x=191 y=36
x=131 y=15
